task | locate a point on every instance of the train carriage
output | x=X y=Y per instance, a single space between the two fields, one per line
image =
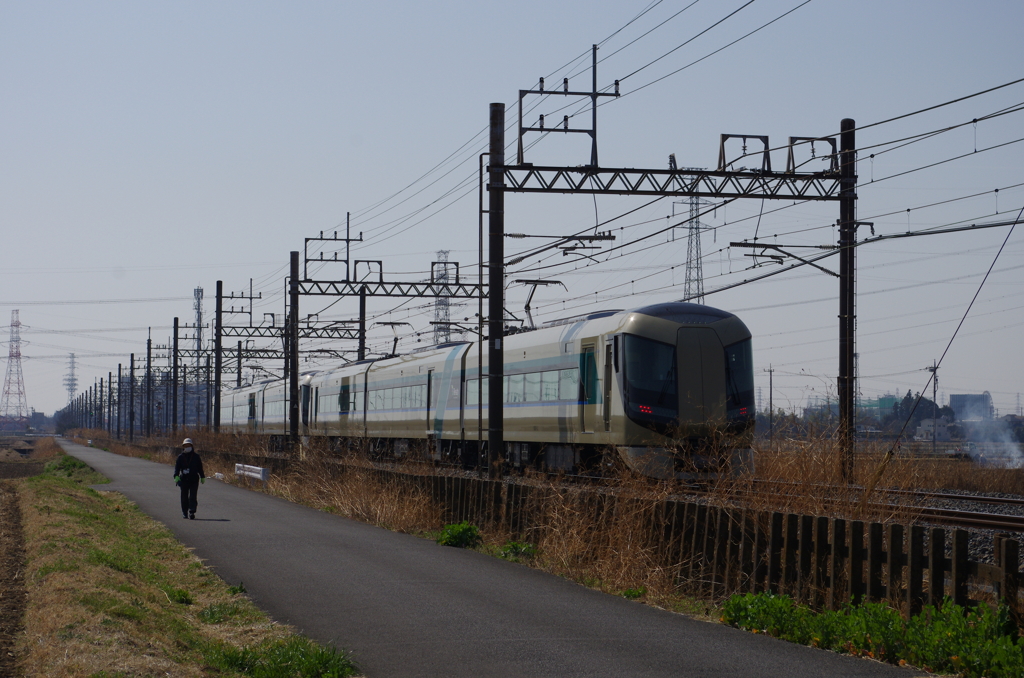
x=668 y=387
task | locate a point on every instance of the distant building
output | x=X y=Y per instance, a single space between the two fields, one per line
x=933 y=429
x=972 y=407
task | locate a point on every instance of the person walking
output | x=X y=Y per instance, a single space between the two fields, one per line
x=188 y=473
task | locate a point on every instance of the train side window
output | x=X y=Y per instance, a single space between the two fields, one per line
x=549 y=385
x=472 y=391
x=533 y=387
x=568 y=384
x=515 y=388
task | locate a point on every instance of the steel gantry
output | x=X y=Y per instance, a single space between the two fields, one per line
x=837 y=183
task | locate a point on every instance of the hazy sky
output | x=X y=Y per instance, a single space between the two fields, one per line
x=150 y=148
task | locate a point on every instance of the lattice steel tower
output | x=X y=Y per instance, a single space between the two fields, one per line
x=70 y=380
x=198 y=306
x=13 y=405
x=694 y=287
x=442 y=312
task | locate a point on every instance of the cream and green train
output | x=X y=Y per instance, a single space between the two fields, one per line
x=668 y=387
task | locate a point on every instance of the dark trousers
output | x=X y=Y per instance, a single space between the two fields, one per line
x=188 y=497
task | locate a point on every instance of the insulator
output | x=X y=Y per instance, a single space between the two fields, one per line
x=542 y=121
x=565 y=84
x=616 y=88
x=542 y=84
x=565 y=122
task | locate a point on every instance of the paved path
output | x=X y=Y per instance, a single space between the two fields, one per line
x=407 y=607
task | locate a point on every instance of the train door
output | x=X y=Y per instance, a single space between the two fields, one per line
x=431 y=410
x=701 y=361
x=607 y=391
x=314 y=404
x=252 y=413
x=588 y=386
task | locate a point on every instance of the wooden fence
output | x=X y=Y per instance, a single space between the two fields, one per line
x=823 y=562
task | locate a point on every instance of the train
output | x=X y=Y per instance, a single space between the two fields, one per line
x=667 y=389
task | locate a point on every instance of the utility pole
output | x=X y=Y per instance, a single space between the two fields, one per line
x=771 y=408
x=149 y=385
x=238 y=378
x=208 y=401
x=120 y=398
x=847 y=291
x=102 y=424
x=293 y=350
x=174 y=380
x=110 y=403
x=216 y=356
x=361 y=354
x=131 y=400
x=934 y=369
x=496 y=285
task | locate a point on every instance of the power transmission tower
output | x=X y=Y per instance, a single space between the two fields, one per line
x=13 y=405
x=442 y=315
x=70 y=380
x=198 y=306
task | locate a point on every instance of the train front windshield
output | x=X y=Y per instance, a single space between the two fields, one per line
x=739 y=381
x=651 y=380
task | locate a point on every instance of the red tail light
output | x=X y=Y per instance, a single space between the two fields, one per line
x=645 y=409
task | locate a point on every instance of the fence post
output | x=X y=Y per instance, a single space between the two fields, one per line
x=875 y=557
x=1009 y=561
x=960 y=562
x=734 y=573
x=915 y=571
x=747 y=551
x=839 y=560
x=710 y=537
x=761 y=553
x=790 y=566
x=775 y=543
x=894 y=569
x=936 y=566
x=855 y=585
x=697 y=543
x=806 y=556
x=721 y=568
x=821 y=552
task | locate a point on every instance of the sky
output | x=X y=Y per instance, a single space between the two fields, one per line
x=147 y=149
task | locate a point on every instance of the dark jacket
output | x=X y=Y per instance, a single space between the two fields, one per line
x=190 y=467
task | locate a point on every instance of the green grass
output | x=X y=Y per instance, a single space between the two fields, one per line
x=296 y=656
x=975 y=643
x=139 y=585
x=460 y=535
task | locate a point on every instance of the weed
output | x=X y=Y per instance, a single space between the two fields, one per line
x=235 y=590
x=296 y=656
x=180 y=596
x=634 y=594
x=460 y=535
x=946 y=639
x=219 y=612
x=517 y=550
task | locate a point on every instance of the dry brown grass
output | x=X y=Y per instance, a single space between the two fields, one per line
x=354 y=490
x=101 y=580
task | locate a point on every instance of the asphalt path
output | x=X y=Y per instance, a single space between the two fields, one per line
x=407 y=607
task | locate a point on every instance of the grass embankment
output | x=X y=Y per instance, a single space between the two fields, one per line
x=110 y=592
x=972 y=643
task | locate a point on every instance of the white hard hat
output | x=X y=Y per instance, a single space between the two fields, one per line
x=187 y=442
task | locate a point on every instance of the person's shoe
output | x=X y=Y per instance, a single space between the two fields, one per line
x=185 y=516
x=191 y=515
